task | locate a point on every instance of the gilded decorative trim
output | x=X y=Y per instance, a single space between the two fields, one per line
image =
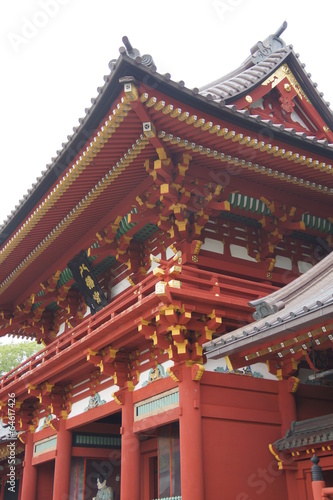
x=97 y=143
x=296 y=344
x=276 y=456
x=285 y=72
x=231 y=160
x=231 y=135
x=96 y=191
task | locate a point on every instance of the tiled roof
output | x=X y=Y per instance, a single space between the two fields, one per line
x=288 y=132
x=89 y=122
x=246 y=76
x=311 y=432
x=315 y=283
x=264 y=60
x=305 y=301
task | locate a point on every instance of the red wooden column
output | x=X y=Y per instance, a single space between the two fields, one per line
x=62 y=467
x=29 y=481
x=130 y=448
x=190 y=431
x=287 y=406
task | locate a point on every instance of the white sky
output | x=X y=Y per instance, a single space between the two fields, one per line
x=55 y=53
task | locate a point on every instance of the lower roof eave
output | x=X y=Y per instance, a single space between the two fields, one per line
x=270 y=333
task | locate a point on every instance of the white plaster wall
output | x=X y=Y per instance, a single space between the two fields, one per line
x=212 y=364
x=261 y=368
x=240 y=253
x=169 y=253
x=79 y=406
x=119 y=287
x=296 y=118
x=154 y=264
x=144 y=375
x=283 y=262
x=303 y=266
x=213 y=246
x=258 y=104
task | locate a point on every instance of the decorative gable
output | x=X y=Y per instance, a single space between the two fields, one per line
x=281 y=99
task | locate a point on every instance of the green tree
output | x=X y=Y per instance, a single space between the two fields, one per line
x=13 y=354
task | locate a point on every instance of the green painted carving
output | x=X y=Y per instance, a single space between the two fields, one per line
x=243 y=371
x=155 y=374
x=94 y=401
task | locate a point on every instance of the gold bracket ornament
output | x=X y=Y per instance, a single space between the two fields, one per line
x=175 y=373
x=293 y=383
x=285 y=72
x=131 y=91
x=149 y=129
x=197 y=372
x=276 y=456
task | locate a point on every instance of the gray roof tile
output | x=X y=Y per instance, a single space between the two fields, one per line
x=302 y=302
x=224 y=89
x=307 y=432
x=237 y=82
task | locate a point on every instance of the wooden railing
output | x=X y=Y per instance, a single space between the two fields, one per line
x=129 y=300
x=196 y=285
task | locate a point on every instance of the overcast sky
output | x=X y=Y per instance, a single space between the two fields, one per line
x=55 y=53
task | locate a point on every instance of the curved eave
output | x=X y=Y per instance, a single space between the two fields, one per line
x=313 y=282
x=310 y=89
x=303 y=303
x=77 y=238
x=304 y=80
x=236 y=84
x=313 y=433
x=107 y=95
x=247 y=64
x=229 y=112
x=267 y=68
x=109 y=92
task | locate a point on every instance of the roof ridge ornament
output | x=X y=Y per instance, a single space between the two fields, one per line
x=146 y=59
x=262 y=50
x=131 y=51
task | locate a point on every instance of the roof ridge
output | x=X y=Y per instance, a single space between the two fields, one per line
x=260 y=52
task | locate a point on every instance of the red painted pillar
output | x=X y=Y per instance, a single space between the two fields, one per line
x=317 y=490
x=29 y=481
x=288 y=414
x=130 y=449
x=190 y=433
x=62 y=467
x=287 y=404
